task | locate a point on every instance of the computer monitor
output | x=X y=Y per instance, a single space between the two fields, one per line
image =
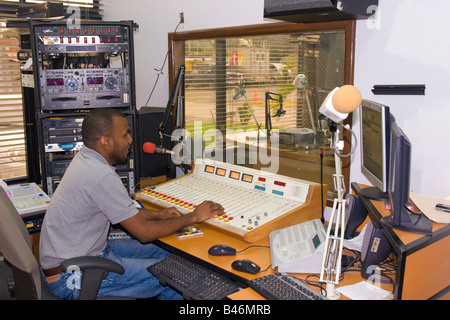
x=375 y=120
x=399 y=187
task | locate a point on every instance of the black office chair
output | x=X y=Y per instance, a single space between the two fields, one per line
x=29 y=281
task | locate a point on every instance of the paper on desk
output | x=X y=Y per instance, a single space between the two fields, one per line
x=356 y=242
x=363 y=291
x=427 y=206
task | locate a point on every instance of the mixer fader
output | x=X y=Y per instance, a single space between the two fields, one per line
x=255 y=202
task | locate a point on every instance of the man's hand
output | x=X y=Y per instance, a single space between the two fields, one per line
x=207 y=209
x=150 y=225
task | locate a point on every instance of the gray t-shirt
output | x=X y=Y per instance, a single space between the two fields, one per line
x=89 y=198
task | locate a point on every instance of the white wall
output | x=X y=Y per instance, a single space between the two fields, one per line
x=157 y=18
x=406 y=45
x=410 y=45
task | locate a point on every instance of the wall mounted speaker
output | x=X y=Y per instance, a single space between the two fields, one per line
x=319 y=10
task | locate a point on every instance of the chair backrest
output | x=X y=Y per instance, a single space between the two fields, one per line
x=16 y=247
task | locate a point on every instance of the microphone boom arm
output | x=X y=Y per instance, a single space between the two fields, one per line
x=174 y=97
x=280 y=111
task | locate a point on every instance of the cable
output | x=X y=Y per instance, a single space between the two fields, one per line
x=386 y=267
x=151 y=93
x=262 y=271
x=170 y=46
x=254 y=246
x=164 y=62
x=317 y=283
x=336 y=151
x=321 y=182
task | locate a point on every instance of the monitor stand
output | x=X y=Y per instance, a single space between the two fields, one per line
x=411 y=222
x=373 y=193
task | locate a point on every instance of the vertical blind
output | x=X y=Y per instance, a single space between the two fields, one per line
x=12 y=143
x=220 y=70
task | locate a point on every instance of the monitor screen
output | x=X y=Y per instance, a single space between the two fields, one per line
x=399 y=187
x=398 y=192
x=375 y=120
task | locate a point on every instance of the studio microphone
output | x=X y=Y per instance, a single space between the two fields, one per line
x=149 y=147
x=340 y=102
x=300 y=81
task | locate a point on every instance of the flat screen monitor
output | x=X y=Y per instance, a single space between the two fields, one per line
x=375 y=120
x=399 y=187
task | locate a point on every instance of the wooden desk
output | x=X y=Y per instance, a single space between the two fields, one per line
x=423 y=261
x=349 y=279
x=33 y=223
x=196 y=248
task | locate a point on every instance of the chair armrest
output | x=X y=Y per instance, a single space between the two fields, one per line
x=92 y=262
x=95 y=269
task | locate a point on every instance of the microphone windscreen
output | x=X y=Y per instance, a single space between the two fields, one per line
x=346 y=99
x=149 y=147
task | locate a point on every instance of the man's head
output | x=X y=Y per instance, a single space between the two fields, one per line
x=107 y=132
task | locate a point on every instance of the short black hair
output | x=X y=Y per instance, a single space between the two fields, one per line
x=98 y=123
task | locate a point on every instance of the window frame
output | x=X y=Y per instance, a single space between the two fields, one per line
x=177 y=53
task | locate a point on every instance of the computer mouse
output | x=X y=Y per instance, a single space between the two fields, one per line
x=245 y=265
x=222 y=250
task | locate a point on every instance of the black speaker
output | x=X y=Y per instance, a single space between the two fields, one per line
x=355 y=215
x=374 y=250
x=153 y=165
x=31 y=134
x=319 y=10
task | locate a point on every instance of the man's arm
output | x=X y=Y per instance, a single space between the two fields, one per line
x=166 y=213
x=148 y=230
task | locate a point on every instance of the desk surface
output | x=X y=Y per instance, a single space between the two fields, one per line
x=422 y=272
x=406 y=237
x=198 y=246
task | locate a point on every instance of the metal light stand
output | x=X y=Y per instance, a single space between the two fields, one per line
x=300 y=82
x=334 y=241
x=238 y=93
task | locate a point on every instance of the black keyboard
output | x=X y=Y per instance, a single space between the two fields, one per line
x=193 y=281
x=281 y=286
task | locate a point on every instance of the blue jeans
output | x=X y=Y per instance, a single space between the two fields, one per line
x=135 y=282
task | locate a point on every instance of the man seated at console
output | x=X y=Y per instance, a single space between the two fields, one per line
x=89 y=199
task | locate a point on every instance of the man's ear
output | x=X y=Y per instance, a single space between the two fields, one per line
x=106 y=142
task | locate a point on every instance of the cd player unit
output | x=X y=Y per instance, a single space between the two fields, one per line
x=83 y=67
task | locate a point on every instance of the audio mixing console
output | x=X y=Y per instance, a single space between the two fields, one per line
x=255 y=202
